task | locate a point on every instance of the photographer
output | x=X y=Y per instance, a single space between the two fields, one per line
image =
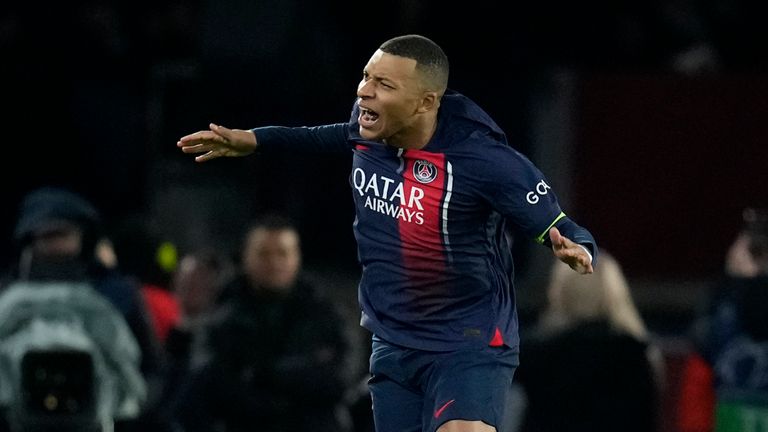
x=737 y=337
x=731 y=338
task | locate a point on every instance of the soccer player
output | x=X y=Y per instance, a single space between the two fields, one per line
x=436 y=187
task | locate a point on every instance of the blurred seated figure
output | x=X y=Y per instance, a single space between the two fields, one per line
x=196 y=283
x=589 y=364
x=732 y=335
x=272 y=357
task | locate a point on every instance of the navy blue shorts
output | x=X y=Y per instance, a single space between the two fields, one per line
x=417 y=391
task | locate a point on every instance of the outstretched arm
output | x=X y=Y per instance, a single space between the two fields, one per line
x=218 y=141
x=573 y=254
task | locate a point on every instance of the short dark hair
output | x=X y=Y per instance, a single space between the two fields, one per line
x=270 y=221
x=431 y=60
x=273 y=221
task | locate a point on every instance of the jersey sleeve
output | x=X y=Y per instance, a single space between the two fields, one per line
x=332 y=138
x=518 y=190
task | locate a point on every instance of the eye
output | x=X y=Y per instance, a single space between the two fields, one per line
x=387 y=86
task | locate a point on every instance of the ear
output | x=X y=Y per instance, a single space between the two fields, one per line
x=429 y=102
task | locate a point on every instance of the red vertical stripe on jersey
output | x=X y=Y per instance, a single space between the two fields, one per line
x=422 y=243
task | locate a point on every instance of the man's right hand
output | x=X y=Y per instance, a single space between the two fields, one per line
x=571 y=253
x=217 y=142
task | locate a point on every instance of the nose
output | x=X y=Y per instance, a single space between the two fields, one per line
x=365 y=89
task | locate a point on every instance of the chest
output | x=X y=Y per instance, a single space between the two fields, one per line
x=413 y=179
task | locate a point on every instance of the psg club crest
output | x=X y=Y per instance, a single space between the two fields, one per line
x=424 y=171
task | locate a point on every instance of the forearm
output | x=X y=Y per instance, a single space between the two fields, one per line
x=326 y=139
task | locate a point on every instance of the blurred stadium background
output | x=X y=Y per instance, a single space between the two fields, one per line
x=648 y=117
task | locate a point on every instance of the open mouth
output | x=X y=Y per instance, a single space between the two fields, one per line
x=367 y=117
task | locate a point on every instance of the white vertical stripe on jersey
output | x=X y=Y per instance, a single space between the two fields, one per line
x=446 y=202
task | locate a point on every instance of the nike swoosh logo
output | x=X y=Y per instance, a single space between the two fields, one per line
x=442 y=408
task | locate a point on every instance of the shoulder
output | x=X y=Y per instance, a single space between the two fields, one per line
x=470 y=130
x=501 y=165
x=462 y=113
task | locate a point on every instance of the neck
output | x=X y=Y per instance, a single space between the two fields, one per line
x=416 y=136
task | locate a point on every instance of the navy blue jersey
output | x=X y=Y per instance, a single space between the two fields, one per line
x=432 y=224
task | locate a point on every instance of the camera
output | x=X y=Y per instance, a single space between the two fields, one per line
x=58 y=390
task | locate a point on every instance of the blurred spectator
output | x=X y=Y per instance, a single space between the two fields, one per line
x=590 y=365
x=145 y=254
x=272 y=358
x=60 y=234
x=197 y=284
x=58 y=323
x=732 y=335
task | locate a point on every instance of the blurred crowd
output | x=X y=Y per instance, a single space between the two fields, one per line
x=120 y=330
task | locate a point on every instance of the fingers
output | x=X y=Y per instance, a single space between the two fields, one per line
x=211 y=143
x=583 y=267
x=195 y=138
x=220 y=131
x=196 y=148
x=217 y=134
x=583 y=264
x=209 y=151
x=570 y=253
x=206 y=157
x=557 y=239
x=577 y=259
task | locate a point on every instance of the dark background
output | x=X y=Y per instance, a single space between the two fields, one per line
x=648 y=117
